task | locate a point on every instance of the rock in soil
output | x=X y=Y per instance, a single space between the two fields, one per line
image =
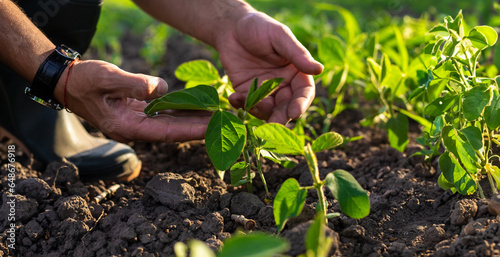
x=171 y=190
x=246 y=204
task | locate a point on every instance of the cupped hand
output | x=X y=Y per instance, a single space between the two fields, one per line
x=113 y=100
x=259 y=46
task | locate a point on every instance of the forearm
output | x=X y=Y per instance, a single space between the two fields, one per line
x=23 y=46
x=202 y=19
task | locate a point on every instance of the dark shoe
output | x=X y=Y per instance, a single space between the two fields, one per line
x=50 y=135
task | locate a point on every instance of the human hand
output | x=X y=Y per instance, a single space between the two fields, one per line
x=259 y=46
x=113 y=101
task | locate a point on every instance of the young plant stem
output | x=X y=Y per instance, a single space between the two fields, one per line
x=492 y=183
x=246 y=156
x=259 y=168
x=312 y=162
x=481 y=193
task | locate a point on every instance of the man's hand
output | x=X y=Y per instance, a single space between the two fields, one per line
x=259 y=46
x=113 y=101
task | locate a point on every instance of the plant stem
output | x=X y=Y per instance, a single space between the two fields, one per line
x=312 y=162
x=492 y=183
x=259 y=168
x=481 y=193
x=246 y=155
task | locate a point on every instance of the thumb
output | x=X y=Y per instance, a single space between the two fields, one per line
x=140 y=86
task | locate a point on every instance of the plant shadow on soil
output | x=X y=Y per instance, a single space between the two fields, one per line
x=178 y=196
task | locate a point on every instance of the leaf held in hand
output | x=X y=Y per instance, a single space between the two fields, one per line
x=197 y=98
x=256 y=95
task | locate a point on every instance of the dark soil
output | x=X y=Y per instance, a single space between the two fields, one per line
x=179 y=196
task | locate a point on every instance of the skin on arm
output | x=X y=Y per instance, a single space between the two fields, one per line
x=250 y=44
x=106 y=96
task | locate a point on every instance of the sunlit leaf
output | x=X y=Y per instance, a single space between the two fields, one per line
x=225 y=139
x=288 y=202
x=327 y=141
x=280 y=139
x=352 y=198
x=197 y=98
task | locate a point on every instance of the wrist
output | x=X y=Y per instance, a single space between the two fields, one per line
x=227 y=18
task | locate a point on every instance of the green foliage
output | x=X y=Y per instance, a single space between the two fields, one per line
x=256 y=95
x=198 y=98
x=288 y=202
x=290 y=199
x=228 y=136
x=468 y=107
x=225 y=139
x=352 y=198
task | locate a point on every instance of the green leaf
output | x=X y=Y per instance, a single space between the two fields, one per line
x=375 y=70
x=338 y=80
x=445 y=184
x=197 y=98
x=238 y=170
x=495 y=173
x=331 y=51
x=262 y=92
x=317 y=244
x=288 y=202
x=352 y=198
x=224 y=139
x=440 y=105
x=327 y=141
x=474 y=136
x=455 y=173
x=278 y=158
x=198 y=70
x=397 y=132
x=487 y=32
x=280 y=139
x=421 y=120
x=440 y=30
x=403 y=52
x=474 y=102
x=477 y=39
x=492 y=111
x=456 y=143
x=255 y=244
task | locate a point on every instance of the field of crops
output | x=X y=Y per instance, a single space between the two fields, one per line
x=398 y=155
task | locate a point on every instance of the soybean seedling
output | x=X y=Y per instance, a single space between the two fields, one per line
x=289 y=201
x=467 y=112
x=228 y=136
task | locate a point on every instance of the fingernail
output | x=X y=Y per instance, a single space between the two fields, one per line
x=162 y=87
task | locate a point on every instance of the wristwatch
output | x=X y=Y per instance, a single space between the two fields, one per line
x=44 y=83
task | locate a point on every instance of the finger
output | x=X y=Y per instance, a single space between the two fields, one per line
x=165 y=128
x=137 y=86
x=282 y=100
x=237 y=100
x=287 y=45
x=303 y=94
x=264 y=108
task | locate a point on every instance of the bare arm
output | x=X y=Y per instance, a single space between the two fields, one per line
x=23 y=46
x=202 y=19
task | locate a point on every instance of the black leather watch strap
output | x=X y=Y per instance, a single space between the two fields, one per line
x=44 y=83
